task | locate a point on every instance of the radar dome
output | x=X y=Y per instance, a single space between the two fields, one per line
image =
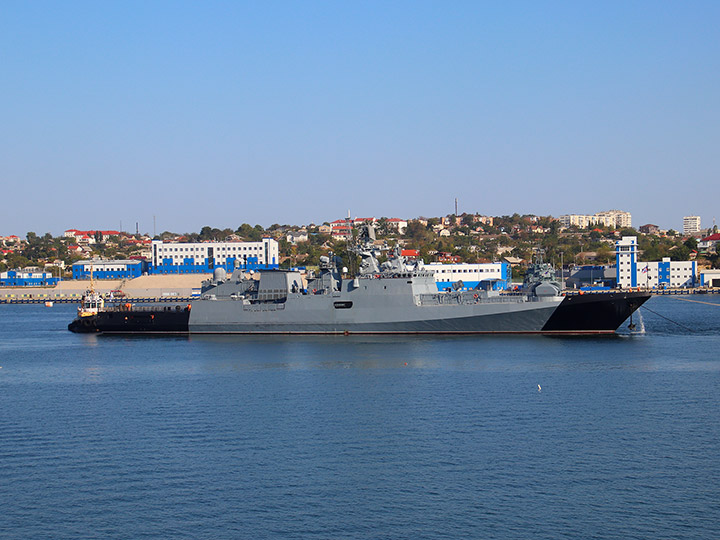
x=219 y=274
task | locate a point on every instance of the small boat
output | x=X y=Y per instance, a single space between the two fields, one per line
x=49 y=303
x=92 y=302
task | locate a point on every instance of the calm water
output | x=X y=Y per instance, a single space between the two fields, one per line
x=230 y=437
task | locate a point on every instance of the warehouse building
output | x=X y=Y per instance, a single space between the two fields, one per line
x=204 y=257
x=26 y=278
x=490 y=276
x=102 y=269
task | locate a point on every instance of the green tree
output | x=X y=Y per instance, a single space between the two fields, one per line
x=680 y=253
x=15 y=260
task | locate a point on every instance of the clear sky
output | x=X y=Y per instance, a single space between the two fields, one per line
x=219 y=113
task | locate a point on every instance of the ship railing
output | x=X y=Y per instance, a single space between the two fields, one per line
x=445 y=299
x=146 y=308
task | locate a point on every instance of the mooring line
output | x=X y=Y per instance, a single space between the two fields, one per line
x=667 y=319
x=696 y=301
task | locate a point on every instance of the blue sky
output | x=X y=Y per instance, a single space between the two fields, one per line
x=220 y=113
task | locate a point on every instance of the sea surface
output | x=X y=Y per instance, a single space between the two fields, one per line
x=362 y=437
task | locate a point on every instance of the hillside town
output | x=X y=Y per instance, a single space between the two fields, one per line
x=584 y=248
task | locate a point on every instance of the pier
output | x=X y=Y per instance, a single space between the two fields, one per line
x=115 y=301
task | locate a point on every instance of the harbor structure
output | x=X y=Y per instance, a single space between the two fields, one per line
x=204 y=257
x=653 y=274
x=489 y=276
x=591 y=276
x=105 y=269
x=691 y=225
x=710 y=278
x=27 y=278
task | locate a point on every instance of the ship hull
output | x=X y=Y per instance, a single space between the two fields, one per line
x=588 y=314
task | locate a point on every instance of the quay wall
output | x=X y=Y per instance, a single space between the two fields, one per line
x=156 y=286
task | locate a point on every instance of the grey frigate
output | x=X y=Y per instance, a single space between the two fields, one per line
x=398 y=296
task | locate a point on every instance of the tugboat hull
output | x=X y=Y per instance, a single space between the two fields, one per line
x=160 y=320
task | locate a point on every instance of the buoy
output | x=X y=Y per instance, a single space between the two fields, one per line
x=539 y=388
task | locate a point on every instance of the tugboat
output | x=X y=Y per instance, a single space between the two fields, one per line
x=398 y=296
x=91 y=304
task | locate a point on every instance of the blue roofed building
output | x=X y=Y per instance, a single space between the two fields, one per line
x=102 y=269
x=27 y=278
x=204 y=257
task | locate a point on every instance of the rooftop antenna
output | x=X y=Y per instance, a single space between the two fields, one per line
x=121 y=225
x=154 y=233
x=137 y=228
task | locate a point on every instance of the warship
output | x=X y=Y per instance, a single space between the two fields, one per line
x=397 y=296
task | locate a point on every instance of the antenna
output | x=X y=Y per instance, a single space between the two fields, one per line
x=456 y=207
x=154 y=233
x=137 y=228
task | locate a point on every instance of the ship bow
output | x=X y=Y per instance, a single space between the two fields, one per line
x=594 y=312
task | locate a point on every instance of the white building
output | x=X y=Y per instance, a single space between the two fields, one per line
x=203 y=257
x=710 y=278
x=397 y=224
x=614 y=218
x=581 y=221
x=617 y=219
x=691 y=225
x=651 y=275
x=496 y=275
x=295 y=237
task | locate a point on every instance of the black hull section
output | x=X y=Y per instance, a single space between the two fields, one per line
x=594 y=312
x=164 y=321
